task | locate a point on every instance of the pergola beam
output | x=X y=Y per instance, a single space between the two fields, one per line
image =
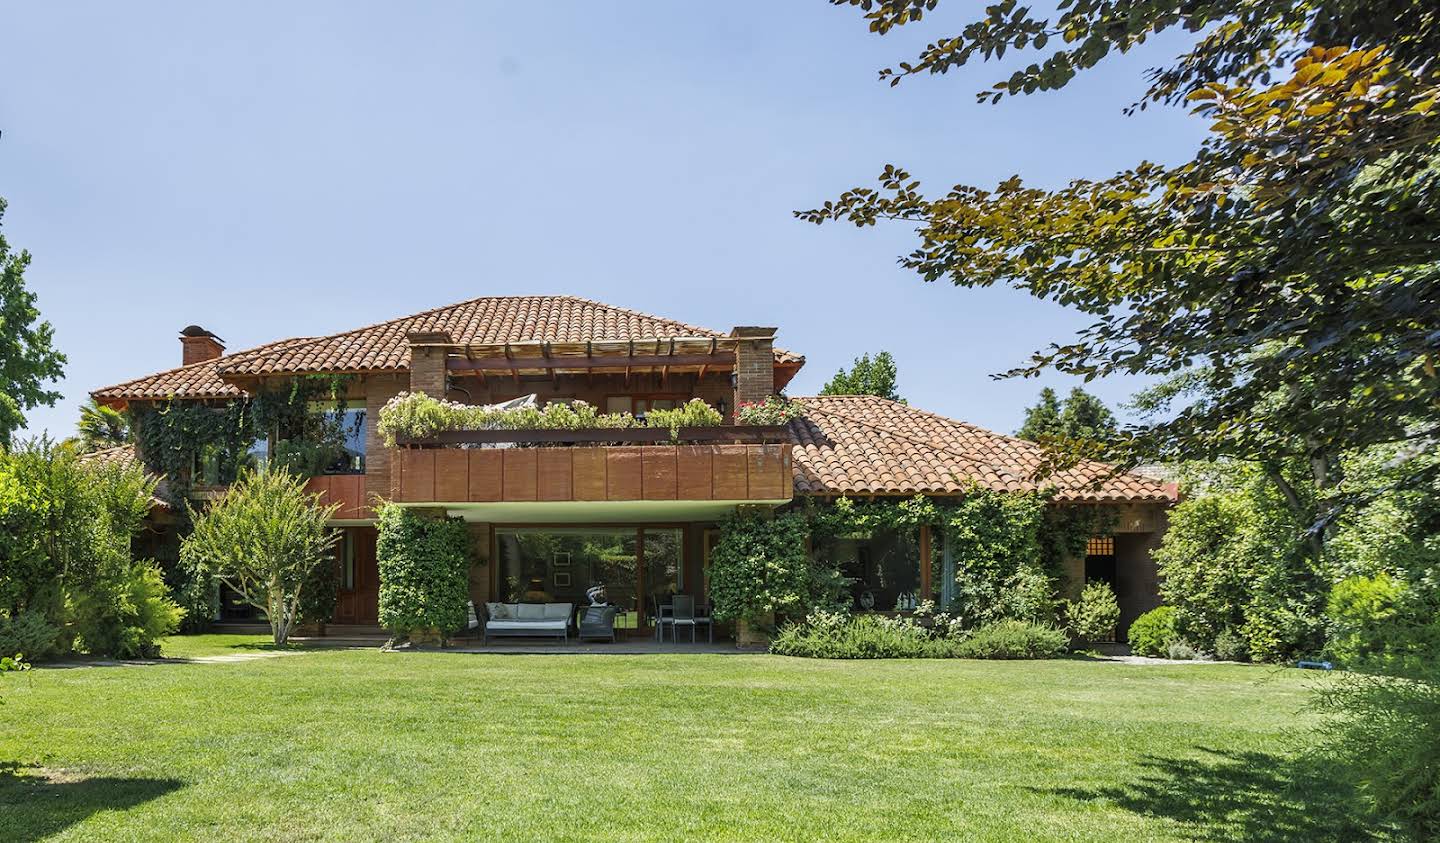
x=511 y=363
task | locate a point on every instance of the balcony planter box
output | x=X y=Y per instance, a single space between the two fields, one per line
x=741 y=434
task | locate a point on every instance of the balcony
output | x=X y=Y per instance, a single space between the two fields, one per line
x=730 y=463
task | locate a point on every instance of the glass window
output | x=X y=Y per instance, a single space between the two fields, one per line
x=617 y=404
x=347 y=560
x=884 y=568
x=664 y=557
x=568 y=566
x=341 y=436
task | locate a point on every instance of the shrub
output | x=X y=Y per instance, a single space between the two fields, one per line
x=1384 y=624
x=1385 y=729
x=1152 y=633
x=1028 y=595
x=1012 y=639
x=28 y=634
x=424 y=565
x=263 y=538
x=760 y=567
x=125 y=614
x=1093 y=617
x=1231 y=560
x=317 y=598
x=1181 y=650
x=65 y=568
x=827 y=635
x=834 y=635
x=1231 y=646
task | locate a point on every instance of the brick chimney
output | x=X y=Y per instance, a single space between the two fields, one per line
x=754 y=364
x=199 y=345
x=427 y=362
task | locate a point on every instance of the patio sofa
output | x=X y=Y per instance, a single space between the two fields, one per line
x=551 y=620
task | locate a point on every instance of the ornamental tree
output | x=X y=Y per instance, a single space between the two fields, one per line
x=264 y=538
x=1294 y=256
x=28 y=359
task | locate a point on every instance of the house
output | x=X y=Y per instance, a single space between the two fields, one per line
x=637 y=517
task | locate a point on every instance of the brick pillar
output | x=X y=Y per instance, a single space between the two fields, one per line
x=427 y=362
x=754 y=364
x=378 y=390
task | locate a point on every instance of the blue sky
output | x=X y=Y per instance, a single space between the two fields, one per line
x=278 y=169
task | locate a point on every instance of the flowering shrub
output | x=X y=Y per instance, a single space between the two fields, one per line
x=419 y=415
x=777 y=409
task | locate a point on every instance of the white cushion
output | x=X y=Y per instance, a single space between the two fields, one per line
x=497 y=610
x=538 y=625
x=557 y=610
x=528 y=611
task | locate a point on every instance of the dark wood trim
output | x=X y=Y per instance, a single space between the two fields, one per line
x=925 y=584
x=736 y=434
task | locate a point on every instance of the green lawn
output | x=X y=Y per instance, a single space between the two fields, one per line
x=363 y=745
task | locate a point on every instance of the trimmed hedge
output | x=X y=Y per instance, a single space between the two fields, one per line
x=424 y=565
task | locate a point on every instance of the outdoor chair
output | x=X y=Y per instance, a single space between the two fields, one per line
x=682 y=613
x=597 y=622
x=663 y=613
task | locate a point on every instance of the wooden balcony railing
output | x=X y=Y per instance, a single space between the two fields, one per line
x=348 y=490
x=697 y=472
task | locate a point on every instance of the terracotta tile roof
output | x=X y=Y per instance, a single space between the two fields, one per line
x=492 y=319
x=862 y=445
x=124 y=456
x=120 y=455
x=198 y=380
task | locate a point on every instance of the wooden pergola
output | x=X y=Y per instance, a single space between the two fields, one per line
x=665 y=355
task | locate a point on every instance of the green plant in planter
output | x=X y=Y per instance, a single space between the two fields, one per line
x=693 y=413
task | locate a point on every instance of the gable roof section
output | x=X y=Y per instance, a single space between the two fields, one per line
x=489 y=320
x=863 y=445
x=195 y=381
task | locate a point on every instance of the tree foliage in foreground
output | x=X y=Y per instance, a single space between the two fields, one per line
x=868 y=376
x=1294 y=255
x=28 y=358
x=264 y=538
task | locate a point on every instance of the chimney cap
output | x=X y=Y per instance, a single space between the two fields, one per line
x=197 y=331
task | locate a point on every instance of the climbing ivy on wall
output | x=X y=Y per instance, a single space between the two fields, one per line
x=172 y=434
x=1003 y=544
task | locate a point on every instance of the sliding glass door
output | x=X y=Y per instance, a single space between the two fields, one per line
x=633 y=568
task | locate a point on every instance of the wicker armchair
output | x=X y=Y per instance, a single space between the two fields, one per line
x=597 y=622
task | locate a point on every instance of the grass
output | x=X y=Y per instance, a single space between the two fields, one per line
x=363 y=745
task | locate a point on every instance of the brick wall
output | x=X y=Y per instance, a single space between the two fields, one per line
x=754 y=364
x=427 y=363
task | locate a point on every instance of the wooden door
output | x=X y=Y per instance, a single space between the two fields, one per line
x=358 y=601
